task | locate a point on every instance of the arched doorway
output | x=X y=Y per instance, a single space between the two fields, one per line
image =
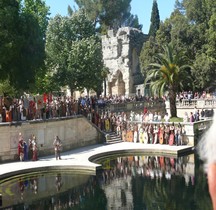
x=117 y=84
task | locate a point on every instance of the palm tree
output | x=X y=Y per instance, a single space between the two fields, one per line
x=169 y=74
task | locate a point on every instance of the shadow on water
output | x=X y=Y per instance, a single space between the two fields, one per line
x=126 y=182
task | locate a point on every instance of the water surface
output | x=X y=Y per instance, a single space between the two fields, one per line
x=126 y=182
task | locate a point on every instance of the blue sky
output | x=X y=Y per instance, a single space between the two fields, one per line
x=141 y=8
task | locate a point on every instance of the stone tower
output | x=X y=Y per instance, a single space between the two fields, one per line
x=121 y=52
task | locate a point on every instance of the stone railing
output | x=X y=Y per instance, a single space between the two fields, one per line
x=188 y=106
x=137 y=105
x=199 y=103
x=159 y=105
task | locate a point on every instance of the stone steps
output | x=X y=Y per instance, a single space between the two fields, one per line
x=112 y=138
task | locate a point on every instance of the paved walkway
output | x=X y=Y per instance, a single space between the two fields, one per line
x=79 y=159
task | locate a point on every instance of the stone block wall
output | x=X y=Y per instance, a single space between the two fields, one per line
x=74 y=132
x=121 y=55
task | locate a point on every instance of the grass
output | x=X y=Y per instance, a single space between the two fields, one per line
x=176 y=119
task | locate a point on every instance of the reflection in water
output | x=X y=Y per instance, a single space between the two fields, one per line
x=150 y=166
x=52 y=191
x=133 y=182
x=58 y=182
x=152 y=182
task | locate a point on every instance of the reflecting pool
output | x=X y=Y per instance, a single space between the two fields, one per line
x=137 y=182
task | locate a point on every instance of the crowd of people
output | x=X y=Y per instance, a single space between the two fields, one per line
x=38 y=107
x=145 y=127
x=49 y=106
x=195 y=95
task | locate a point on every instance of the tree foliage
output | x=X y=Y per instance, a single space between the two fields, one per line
x=155 y=19
x=148 y=51
x=22 y=35
x=109 y=14
x=193 y=31
x=74 y=52
x=9 y=36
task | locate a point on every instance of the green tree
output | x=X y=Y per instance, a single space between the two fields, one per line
x=7 y=89
x=109 y=14
x=168 y=74
x=192 y=31
x=34 y=21
x=149 y=49
x=74 y=52
x=204 y=70
x=198 y=15
x=155 y=19
x=9 y=36
x=85 y=64
x=204 y=39
x=211 y=37
x=22 y=46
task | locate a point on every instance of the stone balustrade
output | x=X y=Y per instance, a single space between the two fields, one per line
x=199 y=103
x=162 y=106
x=135 y=106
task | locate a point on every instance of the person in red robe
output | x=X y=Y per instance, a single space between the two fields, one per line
x=21 y=147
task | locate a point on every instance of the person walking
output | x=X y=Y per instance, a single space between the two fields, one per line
x=30 y=151
x=34 y=149
x=25 y=150
x=57 y=147
x=21 y=149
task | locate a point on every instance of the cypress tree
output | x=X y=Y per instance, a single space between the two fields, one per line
x=155 y=19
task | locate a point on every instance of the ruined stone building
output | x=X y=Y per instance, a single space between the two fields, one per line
x=121 y=52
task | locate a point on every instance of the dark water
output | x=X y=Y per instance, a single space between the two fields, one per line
x=126 y=183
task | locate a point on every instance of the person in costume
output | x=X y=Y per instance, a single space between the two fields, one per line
x=156 y=130
x=150 y=133
x=21 y=147
x=161 y=133
x=167 y=133
x=34 y=149
x=30 y=152
x=57 y=147
x=178 y=134
x=25 y=150
x=172 y=132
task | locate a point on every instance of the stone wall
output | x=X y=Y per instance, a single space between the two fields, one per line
x=121 y=52
x=74 y=132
